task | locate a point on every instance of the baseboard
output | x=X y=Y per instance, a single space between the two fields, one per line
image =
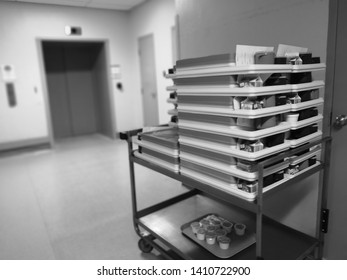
x=23 y=144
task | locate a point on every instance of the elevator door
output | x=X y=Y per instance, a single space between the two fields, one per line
x=71 y=87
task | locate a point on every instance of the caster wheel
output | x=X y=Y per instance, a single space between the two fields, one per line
x=144 y=246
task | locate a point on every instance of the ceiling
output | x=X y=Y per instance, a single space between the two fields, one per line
x=101 y=4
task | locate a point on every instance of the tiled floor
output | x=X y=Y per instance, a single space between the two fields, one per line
x=73 y=202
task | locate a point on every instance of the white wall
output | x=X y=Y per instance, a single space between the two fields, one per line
x=20 y=25
x=27 y=121
x=157 y=17
x=211 y=27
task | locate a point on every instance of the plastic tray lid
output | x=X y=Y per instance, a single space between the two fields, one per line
x=207 y=80
x=206 y=100
x=206 y=118
x=208 y=154
x=161 y=156
x=206 y=60
x=228 y=178
x=165 y=137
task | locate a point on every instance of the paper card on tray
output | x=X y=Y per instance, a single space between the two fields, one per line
x=287 y=50
x=245 y=54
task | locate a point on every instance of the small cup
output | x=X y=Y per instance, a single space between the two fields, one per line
x=220 y=232
x=210 y=238
x=227 y=226
x=201 y=234
x=216 y=223
x=240 y=229
x=292 y=118
x=224 y=242
x=204 y=223
x=210 y=228
x=195 y=227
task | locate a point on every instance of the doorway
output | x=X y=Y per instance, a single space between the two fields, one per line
x=78 y=88
x=148 y=80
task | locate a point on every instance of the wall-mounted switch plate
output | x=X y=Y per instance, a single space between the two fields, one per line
x=11 y=94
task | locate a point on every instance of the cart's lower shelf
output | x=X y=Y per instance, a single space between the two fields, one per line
x=279 y=241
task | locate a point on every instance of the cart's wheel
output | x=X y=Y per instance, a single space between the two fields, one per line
x=144 y=246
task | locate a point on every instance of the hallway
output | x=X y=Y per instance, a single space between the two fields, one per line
x=73 y=202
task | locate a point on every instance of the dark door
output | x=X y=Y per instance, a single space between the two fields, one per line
x=335 y=240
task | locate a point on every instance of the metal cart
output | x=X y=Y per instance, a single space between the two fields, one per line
x=274 y=240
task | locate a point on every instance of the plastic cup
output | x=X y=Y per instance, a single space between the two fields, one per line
x=292 y=118
x=224 y=242
x=220 y=232
x=216 y=223
x=227 y=226
x=201 y=234
x=195 y=227
x=210 y=238
x=240 y=229
x=210 y=228
x=204 y=223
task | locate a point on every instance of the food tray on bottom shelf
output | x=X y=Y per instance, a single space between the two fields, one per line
x=237 y=242
x=235 y=131
x=173 y=167
x=232 y=150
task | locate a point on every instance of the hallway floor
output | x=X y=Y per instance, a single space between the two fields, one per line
x=74 y=202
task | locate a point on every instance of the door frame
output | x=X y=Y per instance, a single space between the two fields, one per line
x=44 y=84
x=330 y=67
x=150 y=35
x=328 y=101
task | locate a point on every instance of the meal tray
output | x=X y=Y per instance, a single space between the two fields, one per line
x=237 y=243
x=165 y=137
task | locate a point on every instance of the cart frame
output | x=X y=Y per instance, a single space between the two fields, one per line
x=150 y=239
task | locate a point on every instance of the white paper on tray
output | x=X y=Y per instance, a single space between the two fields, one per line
x=245 y=54
x=287 y=50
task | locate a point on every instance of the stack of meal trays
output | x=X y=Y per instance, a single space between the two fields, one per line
x=159 y=147
x=231 y=117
